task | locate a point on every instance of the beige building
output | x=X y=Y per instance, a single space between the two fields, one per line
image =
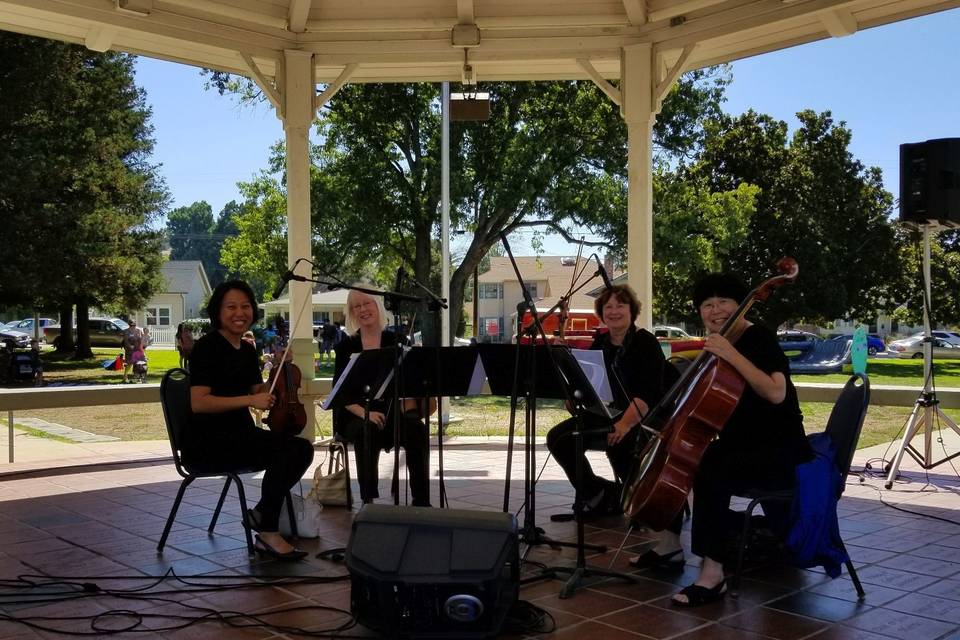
x=547 y=277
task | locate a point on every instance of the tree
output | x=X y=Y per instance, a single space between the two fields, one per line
x=551 y=156
x=77 y=193
x=195 y=235
x=815 y=203
x=905 y=292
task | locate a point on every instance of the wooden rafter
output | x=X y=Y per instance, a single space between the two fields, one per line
x=335 y=86
x=636 y=11
x=663 y=86
x=839 y=22
x=612 y=92
x=297 y=15
x=465 y=12
x=263 y=81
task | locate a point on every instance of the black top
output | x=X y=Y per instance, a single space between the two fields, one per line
x=758 y=425
x=640 y=365
x=343 y=350
x=229 y=372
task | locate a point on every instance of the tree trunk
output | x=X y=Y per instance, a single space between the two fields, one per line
x=83 y=331
x=65 y=342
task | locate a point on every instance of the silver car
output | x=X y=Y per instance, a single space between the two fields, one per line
x=913 y=348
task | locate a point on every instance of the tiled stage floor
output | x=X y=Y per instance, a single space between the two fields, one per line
x=99 y=525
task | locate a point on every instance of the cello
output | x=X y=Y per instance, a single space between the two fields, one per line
x=687 y=419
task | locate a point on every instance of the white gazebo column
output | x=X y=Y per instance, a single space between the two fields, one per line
x=637 y=110
x=297 y=93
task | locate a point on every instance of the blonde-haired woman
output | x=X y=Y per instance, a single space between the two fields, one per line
x=365 y=322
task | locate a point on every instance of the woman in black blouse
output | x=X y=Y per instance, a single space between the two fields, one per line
x=225 y=383
x=639 y=375
x=365 y=322
x=761 y=444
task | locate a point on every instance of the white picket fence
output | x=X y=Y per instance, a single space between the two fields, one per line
x=163 y=336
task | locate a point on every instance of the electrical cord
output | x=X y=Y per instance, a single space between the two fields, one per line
x=114 y=621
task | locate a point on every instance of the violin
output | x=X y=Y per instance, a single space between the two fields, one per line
x=689 y=417
x=287 y=415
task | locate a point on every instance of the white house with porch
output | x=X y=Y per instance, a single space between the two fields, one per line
x=185 y=295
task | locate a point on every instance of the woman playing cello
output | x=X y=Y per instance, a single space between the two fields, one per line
x=760 y=446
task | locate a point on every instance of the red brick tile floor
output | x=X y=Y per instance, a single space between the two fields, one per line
x=87 y=536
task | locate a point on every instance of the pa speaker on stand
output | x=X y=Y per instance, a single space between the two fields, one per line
x=417 y=572
x=930 y=182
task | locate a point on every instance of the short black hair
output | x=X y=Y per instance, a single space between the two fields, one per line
x=216 y=299
x=723 y=285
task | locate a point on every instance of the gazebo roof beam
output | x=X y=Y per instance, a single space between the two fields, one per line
x=297 y=15
x=636 y=11
x=465 y=12
x=838 y=22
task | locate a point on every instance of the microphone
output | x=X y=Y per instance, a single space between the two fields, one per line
x=602 y=272
x=287 y=277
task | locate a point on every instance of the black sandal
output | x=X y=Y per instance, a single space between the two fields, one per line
x=651 y=558
x=698 y=596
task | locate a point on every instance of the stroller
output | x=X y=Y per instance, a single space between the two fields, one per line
x=25 y=366
x=138 y=360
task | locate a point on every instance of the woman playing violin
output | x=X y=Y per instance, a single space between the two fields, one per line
x=365 y=322
x=760 y=445
x=225 y=383
x=639 y=374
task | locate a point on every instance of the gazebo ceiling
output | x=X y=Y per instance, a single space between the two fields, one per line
x=416 y=40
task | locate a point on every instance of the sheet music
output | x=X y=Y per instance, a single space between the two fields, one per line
x=343 y=376
x=591 y=361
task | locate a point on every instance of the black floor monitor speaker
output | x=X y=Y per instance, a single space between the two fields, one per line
x=930 y=182
x=418 y=572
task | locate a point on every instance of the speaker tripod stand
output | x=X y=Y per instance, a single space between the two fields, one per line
x=926 y=414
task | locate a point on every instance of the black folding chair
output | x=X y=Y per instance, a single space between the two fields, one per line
x=843 y=426
x=175 y=399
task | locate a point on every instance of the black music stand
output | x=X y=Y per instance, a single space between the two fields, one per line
x=438 y=372
x=550 y=381
x=585 y=399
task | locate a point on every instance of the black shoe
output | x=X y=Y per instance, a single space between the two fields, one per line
x=265 y=549
x=650 y=558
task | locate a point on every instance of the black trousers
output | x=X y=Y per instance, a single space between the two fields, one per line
x=563 y=446
x=724 y=472
x=284 y=459
x=413 y=438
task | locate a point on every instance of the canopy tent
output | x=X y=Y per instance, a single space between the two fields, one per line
x=289 y=46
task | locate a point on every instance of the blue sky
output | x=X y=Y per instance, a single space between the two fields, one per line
x=891 y=85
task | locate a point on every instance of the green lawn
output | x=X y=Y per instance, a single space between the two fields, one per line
x=479 y=415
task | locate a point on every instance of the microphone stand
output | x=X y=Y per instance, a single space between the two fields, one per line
x=530 y=533
x=435 y=303
x=395 y=298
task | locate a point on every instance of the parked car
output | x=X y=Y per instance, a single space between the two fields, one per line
x=665 y=332
x=913 y=348
x=875 y=343
x=104 y=332
x=13 y=339
x=947 y=336
x=26 y=325
x=797 y=340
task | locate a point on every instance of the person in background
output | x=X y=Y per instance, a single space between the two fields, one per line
x=184 y=343
x=132 y=341
x=225 y=383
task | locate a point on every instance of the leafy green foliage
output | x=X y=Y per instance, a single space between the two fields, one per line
x=815 y=203
x=195 y=235
x=77 y=193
